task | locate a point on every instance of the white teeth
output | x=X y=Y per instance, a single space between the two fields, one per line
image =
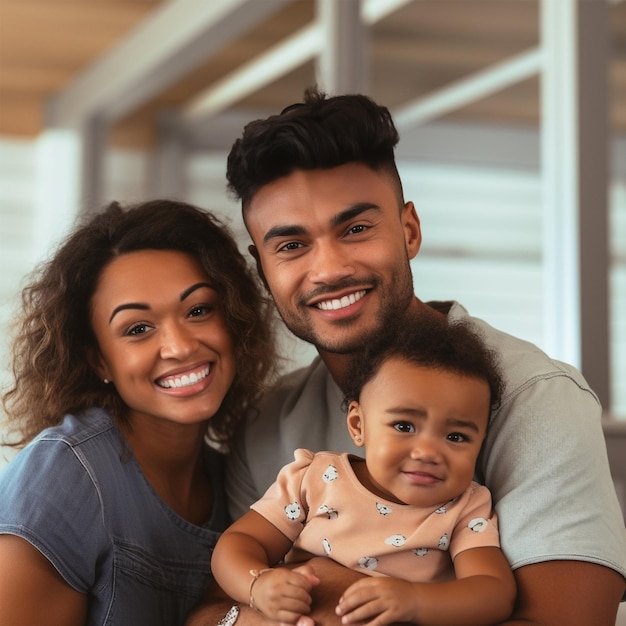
x=333 y=305
x=184 y=380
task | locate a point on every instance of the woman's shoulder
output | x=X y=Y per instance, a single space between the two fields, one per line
x=64 y=456
x=79 y=427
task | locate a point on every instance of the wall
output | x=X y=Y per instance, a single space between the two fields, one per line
x=477 y=192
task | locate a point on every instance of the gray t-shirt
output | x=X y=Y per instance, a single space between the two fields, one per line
x=77 y=494
x=544 y=458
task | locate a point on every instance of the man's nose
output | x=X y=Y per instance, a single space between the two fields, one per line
x=329 y=263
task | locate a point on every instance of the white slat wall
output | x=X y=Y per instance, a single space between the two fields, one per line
x=481 y=229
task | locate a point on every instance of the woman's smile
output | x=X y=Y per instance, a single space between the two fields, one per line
x=184 y=380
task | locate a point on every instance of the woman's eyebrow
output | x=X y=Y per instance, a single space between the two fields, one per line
x=193 y=288
x=129 y=305
x=146 y=307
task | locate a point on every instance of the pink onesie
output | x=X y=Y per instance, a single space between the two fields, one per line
x=318 y=503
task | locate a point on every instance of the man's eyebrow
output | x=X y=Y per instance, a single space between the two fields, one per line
x=354 y=211
x=145 y=307
x=284 y=231
x=294 y=230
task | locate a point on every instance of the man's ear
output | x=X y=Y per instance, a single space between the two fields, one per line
x=355 y=423
x=259 y=267
x=412 y=230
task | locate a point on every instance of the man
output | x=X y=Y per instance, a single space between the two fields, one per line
x=333 y=239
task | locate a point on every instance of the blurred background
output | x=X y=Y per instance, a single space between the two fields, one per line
x=512 y=115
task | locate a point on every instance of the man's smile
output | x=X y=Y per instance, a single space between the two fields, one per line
x=340 y=303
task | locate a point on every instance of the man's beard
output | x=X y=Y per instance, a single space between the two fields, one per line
x=393 y=304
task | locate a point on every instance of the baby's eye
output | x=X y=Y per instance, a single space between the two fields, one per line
x=404 y=427
x=457 y=437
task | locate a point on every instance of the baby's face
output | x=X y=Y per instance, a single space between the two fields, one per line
x=422 y=430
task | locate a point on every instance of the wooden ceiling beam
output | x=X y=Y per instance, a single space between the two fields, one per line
x=165 y=46
x=64 y=32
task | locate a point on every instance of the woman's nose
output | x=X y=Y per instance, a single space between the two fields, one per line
x=177 y=342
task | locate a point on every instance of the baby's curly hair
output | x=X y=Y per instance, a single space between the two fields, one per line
x=430 y=343
x=53 y=335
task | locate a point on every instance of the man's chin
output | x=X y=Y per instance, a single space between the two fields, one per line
x=341 y=338
x=345 y=345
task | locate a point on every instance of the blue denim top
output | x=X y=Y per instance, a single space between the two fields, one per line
x=78 y=495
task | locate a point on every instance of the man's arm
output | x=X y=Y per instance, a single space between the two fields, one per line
x=575 y=544
x=575 y=593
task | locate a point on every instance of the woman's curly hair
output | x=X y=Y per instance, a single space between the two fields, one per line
x=51 y=372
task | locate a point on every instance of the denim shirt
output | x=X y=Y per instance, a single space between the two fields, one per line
x=77 y=494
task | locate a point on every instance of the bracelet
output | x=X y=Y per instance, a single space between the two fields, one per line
x=255 y=573
x=231 y=616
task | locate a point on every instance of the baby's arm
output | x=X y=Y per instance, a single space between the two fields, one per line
x=241 y=564
x=483 y=593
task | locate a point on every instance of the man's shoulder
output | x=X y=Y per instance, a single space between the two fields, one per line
x=521 y=362
x=307 y=384
x=304 y=409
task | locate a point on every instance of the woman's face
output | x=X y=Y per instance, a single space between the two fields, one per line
x=162 y=337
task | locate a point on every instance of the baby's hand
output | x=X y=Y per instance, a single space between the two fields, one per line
x=284 y=594
x=377 y=602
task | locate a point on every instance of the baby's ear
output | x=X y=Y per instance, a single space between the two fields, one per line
x=355 y=423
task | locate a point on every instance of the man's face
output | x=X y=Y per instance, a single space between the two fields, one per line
x=334 y=248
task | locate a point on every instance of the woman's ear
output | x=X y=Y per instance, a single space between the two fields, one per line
x=97 y=365
x=355 y=423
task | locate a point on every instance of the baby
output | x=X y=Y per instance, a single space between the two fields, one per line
x=408 y=514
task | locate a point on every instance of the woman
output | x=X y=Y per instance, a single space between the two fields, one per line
x=141 y=337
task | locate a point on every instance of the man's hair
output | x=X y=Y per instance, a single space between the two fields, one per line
x=320 y=133
x=433 y=344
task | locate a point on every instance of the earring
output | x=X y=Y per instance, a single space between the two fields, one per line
x=358 y=439
x=106 y=381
